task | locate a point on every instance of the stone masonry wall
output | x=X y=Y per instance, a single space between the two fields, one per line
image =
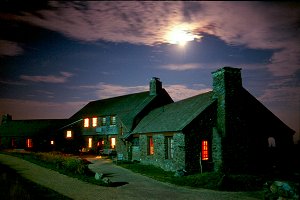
x=158 y=159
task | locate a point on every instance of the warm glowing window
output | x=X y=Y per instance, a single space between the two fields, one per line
x=29 y=143
x=90 y=142
x=150 y=146
x=113 y=120
x=52 y=142
x=94 y=121
x=113 y=143
x=204 y=150
x=69 y=134
x=169 y=147
x=86 y=122
x=102 y=142
x=103 y=121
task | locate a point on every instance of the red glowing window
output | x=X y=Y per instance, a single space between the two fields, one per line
x=204 y=150
x=150 y=146
x=29 y=143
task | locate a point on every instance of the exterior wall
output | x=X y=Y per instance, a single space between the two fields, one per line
x=217 y=150
x=159 y=156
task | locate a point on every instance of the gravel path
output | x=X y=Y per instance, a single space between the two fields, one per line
x=138 y=187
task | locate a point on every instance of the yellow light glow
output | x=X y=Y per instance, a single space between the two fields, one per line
x=86 y=122
x=52 y=142
x=69 y=134
x=113 y=143
x=180 y=36
x=90 y=142
x=94 y=121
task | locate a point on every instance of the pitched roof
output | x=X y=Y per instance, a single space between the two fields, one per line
x=264 y=117
x=174 y=116
x=29 y=127
x=125 y=107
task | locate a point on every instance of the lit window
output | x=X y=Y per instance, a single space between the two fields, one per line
x=102 y=142
x=113 y=120
x=169 y=147
x=94 y=121
x=90 y=142
x=52 y=142
x=69 y=134
x=86 y=122
x=150 y=146
x=29 y=143
x=204 y=150
x=113 y=143
x=103 y=122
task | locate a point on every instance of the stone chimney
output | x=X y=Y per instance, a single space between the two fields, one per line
x=6 y=118
x=155 y=86
x=227 y=84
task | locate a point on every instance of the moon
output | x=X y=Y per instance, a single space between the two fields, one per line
x=180 y=37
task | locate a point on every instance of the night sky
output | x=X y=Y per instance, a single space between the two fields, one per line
x=55 y=57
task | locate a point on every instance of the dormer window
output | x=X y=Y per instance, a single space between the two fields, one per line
x=94 y=121
x=113 y=120
x=103 y=121
x=86 y=122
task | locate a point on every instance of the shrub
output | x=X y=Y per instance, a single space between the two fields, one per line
x=62 y=162
x=75 y=165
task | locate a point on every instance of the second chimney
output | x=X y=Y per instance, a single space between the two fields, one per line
x=155 y=86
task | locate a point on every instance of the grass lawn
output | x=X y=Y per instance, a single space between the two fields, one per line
x=208 y=180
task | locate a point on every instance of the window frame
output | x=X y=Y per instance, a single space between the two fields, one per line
x=204 y=150
x=113 y=120
x=90 y=142
x=69 y=134
x=29 y=143
x=86 y=122
x=169 y=147
x=113 y=142
x=94 y=122
x=150 y=145
x=103 y=121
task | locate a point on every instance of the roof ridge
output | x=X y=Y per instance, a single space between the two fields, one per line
x=110 y=98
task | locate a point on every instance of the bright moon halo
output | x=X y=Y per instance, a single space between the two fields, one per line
x=180 y=37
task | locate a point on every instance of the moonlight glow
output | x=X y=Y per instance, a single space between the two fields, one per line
x=180 y=36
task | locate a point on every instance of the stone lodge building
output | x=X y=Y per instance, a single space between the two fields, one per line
x=226 y=129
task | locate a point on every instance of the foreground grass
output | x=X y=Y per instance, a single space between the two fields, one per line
x=14 y=186
x=209 y=180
